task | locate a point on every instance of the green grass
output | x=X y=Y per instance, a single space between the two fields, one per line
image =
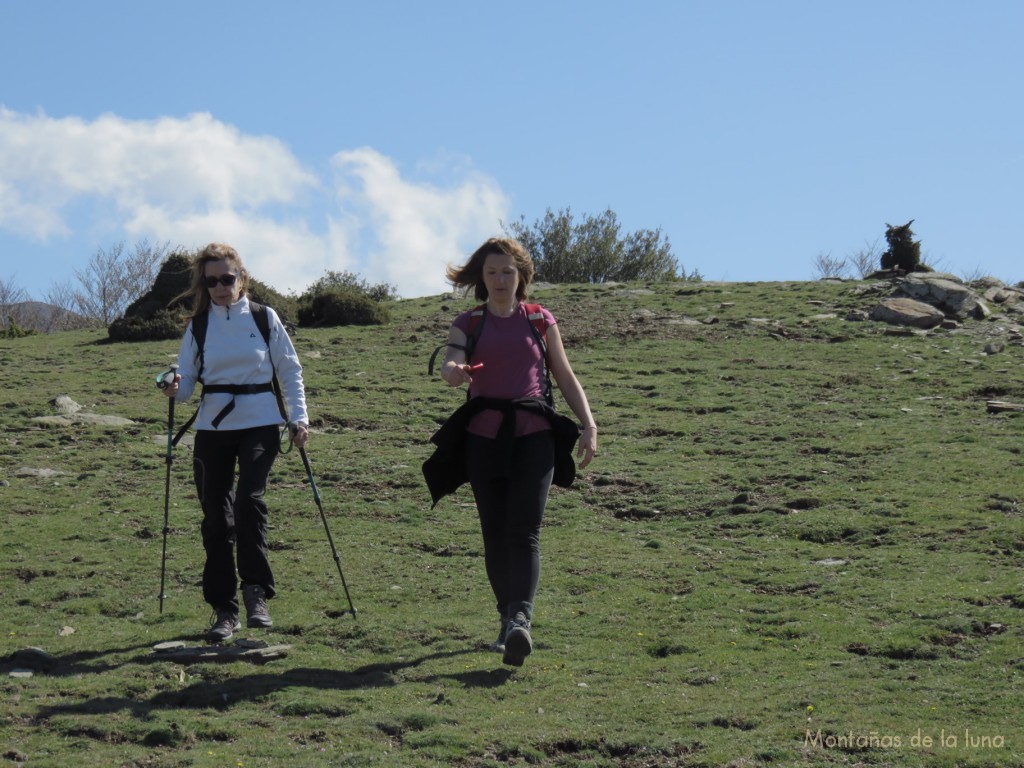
x=796 y=524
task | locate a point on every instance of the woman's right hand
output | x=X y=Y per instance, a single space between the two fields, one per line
x=172 y=389
x=456 y=374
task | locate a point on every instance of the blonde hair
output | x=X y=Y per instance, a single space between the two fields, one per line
x=198 y=291
x=471 y=274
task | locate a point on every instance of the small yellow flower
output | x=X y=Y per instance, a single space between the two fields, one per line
x=810 y=708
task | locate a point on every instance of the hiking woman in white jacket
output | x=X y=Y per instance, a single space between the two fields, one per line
x=238 y=425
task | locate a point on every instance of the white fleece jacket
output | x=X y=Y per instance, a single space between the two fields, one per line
x=235 y=353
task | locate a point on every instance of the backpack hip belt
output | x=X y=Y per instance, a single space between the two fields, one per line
x=233 y=390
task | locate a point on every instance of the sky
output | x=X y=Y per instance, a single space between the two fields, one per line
x=391 y=138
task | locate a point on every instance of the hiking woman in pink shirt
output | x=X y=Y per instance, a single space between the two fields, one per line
x=514 y=446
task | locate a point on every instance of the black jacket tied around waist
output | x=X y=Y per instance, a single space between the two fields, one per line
x=445 y=470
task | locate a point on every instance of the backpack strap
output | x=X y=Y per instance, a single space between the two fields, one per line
x=476 y=327
x=199 y=324
x=539 y=326
x=262 y=318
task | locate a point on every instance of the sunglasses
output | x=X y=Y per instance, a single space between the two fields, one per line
x=211 y=282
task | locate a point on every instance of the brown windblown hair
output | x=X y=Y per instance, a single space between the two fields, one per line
x=471 y=274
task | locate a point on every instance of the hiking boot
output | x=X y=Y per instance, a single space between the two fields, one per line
x=518 y=643
x=256 y=612
x=224 y=626
x=499 y=644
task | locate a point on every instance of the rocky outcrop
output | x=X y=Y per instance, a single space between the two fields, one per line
x=947 y=294
x=950 y=300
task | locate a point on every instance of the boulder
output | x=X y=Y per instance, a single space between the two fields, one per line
x=903 y=311
x=1000 y=294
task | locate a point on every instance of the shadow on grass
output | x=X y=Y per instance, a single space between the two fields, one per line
x=69 y=665
x=222 y=695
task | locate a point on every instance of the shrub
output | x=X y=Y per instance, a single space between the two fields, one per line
x=341 y=306
x=152 y=316
x=14 y=331
x=904 y=252
x=334 y=279
x=595 y=250
x=285 y=306
x=165 y=324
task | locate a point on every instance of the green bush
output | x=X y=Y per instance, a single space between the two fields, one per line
x=14 y=331
x=341 y=306
x=152 y=316
x=904 y=252
x=285 y=306
x=334 y=279
x=164 y=324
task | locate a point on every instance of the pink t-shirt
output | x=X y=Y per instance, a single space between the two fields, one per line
x=513 y=368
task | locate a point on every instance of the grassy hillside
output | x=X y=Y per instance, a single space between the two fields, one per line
x=801 y=544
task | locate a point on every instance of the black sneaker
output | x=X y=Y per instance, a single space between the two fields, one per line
x=499 y=645
x=225 y=624
x=256 y=612
x=518 y=643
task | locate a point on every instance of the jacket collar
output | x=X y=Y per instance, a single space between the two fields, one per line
x=238 y=308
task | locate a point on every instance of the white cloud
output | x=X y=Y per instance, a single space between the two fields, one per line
x=193 y=180
x=418 y=228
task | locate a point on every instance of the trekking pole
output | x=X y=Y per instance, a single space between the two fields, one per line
x=163 y=381
x=334 y=551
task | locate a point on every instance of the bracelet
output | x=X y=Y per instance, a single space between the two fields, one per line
x=592 y=426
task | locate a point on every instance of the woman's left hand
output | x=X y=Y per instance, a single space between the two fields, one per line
x=587 y=446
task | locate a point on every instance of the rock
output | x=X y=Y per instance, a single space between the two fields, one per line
x=1000 y=294
x=999 y=406
x=900 y=311
x=53 y=421
x=69 y=412
x=103 y=421
x=38 y=472
x=169 y=646
x=237 y=651
x=946 y=293
x=251 y=642
x=65 y=404
x=994 y=347
x=856 y=316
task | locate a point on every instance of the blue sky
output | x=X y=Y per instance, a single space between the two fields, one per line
x=391 y=138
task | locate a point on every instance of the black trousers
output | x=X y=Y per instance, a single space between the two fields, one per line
x=511 y=510
x=234 y=516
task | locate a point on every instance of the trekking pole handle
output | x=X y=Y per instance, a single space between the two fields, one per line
x=166 y=379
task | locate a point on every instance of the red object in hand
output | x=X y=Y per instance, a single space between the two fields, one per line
x=475 y=368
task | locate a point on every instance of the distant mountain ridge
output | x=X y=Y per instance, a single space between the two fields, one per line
x=43 y=317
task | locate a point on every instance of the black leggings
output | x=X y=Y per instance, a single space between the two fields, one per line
x=234 y=520
x=511 y=510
